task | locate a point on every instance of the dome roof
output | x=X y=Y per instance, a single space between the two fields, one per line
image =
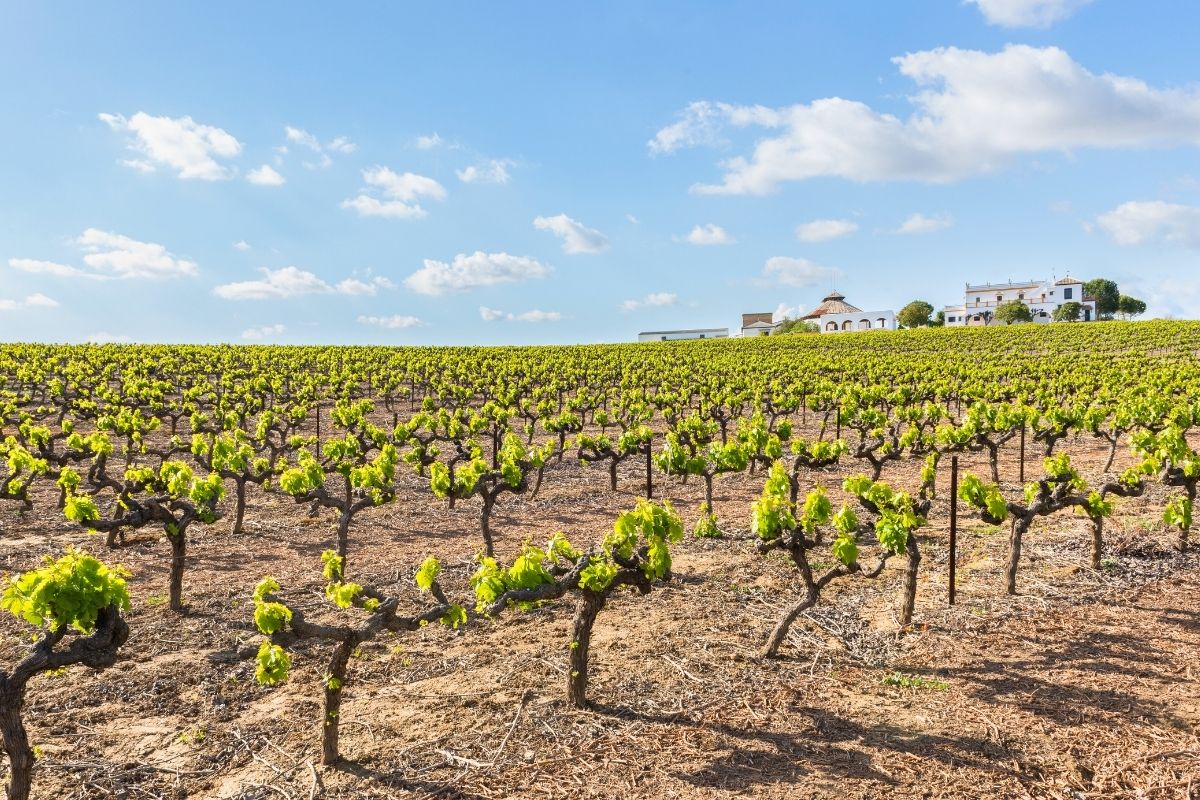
x=834 y=303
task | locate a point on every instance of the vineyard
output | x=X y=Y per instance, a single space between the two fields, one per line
x=933 y=563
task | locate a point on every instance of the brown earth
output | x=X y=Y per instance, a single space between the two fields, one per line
x=1085 y=685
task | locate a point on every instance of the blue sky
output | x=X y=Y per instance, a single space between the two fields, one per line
x=525 y=172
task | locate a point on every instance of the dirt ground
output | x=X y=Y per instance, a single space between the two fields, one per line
x=1085 y=685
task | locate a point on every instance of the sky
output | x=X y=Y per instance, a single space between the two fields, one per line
x=527 y=172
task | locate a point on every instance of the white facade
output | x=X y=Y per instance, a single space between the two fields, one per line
x=695 y=333
x=759 y=329
x=1043 y=298
x=857 y=321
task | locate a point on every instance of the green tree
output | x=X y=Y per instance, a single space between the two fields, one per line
x=915 y=315
x=939 y=320
x=1068 y=312
x=1130 y=307
x=1013 y=311
x=797 y=326
x=1108 y=296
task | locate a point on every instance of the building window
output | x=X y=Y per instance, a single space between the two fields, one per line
x=831 y=326
x=846 y=325
x=1067 y=294
x=999 y=298
x=864 y=324
x=664 y=338
x=882 y=322
x=1020 y=295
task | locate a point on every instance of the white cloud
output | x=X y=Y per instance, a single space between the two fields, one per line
x=294 y=282
x=824 y=230
x=265 y=176
x=796 y=272
x=394 y=322
x=709 y=235
x=974 y=112
x=536 y=315
x=919 y=223
x=302 y=137
x=402 y=191
x=264 y=331
x=1027 y=13
x=180 y=143
x=493 y=170
x=48 y=268
x=429 y=142
x=123 y=257
x=654 y=299
x=577 y=237
x=1140 y=222
x=784 y=311
x=299 y=136
x=632 y=219
x=36 y=300
x=473 y=271
x=699 y=124
x=110 y=255
x=241 y=245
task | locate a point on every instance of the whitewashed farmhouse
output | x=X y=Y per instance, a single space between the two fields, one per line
x=1043 y=298
x=835 y=315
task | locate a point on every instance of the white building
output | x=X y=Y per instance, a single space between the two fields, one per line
x=763 y=324
x=835 y=315
x=1043 y=298
x=695 y=333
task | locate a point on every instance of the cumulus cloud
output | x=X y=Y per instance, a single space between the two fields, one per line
x=36 y=300
x=394 y=322
x=110 y=255
x=577 y=238
x=919 y=223
x=1027 y=13
x=492 y=170
x=824 y=230
x=473 y=271
x=536 y=315
x=401 y=193
x=1141 y=222
x=180 y=143
x=796 y=272
x=709 y=235
x=241 y=245
x=654 y=299
x=974 y=112
x=265 y=176
x=264 y=331
x=277 y=284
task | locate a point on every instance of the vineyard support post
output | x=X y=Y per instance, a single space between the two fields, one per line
x=318 y=430
x=649 y=474
x=953 y=524
x=1021 y=468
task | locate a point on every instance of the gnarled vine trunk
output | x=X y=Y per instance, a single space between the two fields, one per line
x=590 y=605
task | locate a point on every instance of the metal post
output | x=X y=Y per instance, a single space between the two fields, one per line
x=649 y=474
x=953 y=523
x=318 y=430
x=1021 y=470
